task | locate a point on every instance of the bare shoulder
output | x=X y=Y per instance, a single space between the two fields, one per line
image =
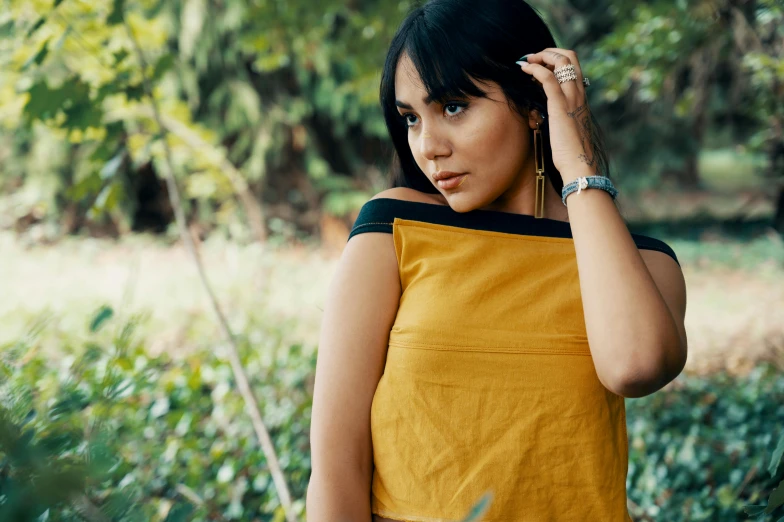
x=409 y=194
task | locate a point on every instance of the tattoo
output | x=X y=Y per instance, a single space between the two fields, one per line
x=583 y=118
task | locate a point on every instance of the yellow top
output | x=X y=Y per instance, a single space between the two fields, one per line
x=489 y=383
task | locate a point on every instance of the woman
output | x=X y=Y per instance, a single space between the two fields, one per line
x=480 y=335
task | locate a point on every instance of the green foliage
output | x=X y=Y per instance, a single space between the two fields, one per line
x=282 y=88
x=166 y=438
x=150 y=438
x=705 y=450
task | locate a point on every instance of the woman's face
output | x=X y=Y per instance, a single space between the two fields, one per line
x=482 y=137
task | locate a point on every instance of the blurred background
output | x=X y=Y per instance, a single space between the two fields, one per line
x=119 y=397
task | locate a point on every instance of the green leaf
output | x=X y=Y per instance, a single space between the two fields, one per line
x=776 y=459
x=38 y=57
x=754 y=509
x=104 y=314
x=776 y=498
x=162 y=65
x=44 y=102
x=72 y=97
x=7 y=29
x=41 y=21
x=134 y=92
x=180 y=513
x=120 y=55
x=116 y=16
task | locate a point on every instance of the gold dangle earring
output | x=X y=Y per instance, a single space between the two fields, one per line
x=539 y=158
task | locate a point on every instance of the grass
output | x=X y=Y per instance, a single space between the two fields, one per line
x=729 y=169
x=734 y=292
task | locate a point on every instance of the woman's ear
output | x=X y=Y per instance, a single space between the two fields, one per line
x=534 y=117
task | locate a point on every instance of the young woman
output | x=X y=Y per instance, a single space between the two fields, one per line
x=484 y=326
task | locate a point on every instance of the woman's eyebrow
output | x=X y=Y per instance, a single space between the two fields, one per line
x=427 y=100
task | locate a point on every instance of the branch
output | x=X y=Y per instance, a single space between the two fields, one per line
x=251 y=405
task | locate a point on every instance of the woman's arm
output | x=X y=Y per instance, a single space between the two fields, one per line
x=361 y=307
x=634 y=305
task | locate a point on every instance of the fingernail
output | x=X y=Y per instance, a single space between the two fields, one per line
x=523 y=64
x=525 y=58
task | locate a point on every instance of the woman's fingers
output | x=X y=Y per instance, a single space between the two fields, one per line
x=553 y=58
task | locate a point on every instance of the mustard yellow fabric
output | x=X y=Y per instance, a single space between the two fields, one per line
x=489 y=384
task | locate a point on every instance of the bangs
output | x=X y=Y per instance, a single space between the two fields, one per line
x=443 y=64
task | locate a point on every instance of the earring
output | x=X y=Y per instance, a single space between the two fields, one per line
x=539 y=159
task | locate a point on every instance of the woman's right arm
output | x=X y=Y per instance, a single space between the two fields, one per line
x=361 y=306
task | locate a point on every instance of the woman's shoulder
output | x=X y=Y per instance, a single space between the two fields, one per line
x=378 y=213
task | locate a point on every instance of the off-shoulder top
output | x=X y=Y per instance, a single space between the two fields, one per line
x=489 y=384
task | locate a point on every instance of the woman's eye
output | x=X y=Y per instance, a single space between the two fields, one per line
x=453 y=105
x=452 y=110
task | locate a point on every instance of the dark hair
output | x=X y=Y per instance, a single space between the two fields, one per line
x=452 y=41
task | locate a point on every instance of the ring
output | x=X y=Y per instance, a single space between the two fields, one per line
x=586 y=82
x=565 y=73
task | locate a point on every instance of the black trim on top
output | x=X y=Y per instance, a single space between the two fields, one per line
x=377 y=215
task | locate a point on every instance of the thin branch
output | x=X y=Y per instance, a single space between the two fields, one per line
x=240 y=375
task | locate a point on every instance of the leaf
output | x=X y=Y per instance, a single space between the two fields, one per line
x=119 y=56
x=43 y=102
x=72 y=97
x=754 y=509
x=38 y=57
x=162 y=65
x=116 y=16
x=180 y=513
x=41 y=21
x=776 y=498
x=776 y=459
x=134 y=92
x=7 y=29
x=104 y=314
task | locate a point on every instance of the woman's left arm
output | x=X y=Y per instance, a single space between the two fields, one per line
x=634 y=301
x=634 y=304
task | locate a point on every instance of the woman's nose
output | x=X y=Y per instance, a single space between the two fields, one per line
x=431 y=145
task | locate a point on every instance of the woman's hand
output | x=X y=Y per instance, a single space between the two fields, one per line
x=567 y=107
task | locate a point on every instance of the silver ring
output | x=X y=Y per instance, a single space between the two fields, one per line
x=565 y=73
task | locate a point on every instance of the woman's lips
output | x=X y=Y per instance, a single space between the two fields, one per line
x=451 y=183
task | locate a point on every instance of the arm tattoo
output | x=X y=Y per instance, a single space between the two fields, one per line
x=583 y=118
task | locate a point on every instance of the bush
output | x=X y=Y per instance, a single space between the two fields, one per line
x=106 y=430
x=701 y=451
x=151 y=438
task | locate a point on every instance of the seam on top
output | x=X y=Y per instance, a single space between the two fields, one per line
x=368 y=224
x=406 y=518
x=494 y=349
